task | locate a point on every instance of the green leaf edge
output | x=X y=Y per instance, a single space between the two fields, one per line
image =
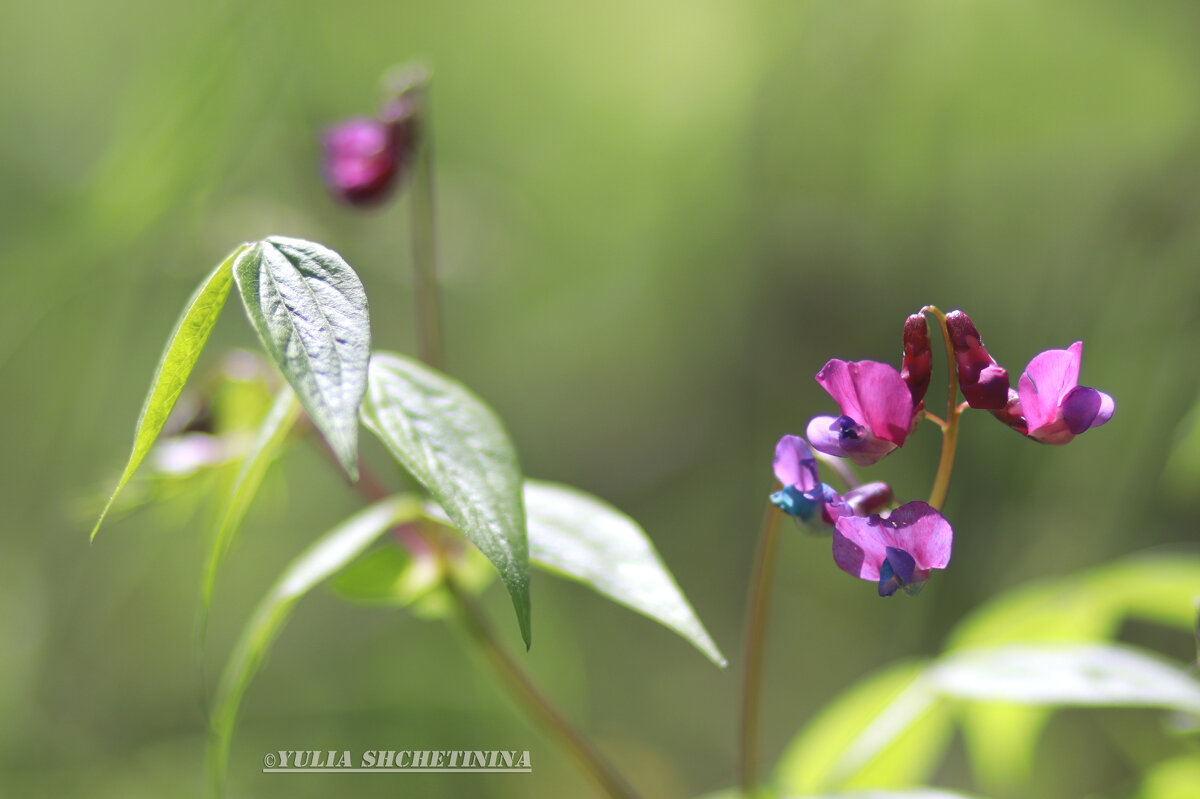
x=517 y=587
x=199 y=317
x=346 y=450
x=272 y=432
x=699 y=637
x=346 y=542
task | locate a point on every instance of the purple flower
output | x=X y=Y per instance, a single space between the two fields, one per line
x=803 y=493
x=366 y=158
x=984 y=382
x=878 y=411
x=1050 y=404
x=897 y=551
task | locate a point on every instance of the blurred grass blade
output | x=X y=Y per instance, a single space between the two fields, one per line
x=320 y=561
x=178 y=359
x=887 y=731
x=581 y=537
x=310 y=312
x=1067 y=674
x=455 y=446
x=267 y=442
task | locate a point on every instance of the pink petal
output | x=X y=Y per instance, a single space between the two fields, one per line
x=1045 y=383
x=873 y=394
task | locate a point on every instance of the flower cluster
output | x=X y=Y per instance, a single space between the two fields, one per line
x=879 y=408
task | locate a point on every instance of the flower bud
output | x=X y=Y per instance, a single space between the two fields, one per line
x=918 y=359
x=984 y=382
x=367 y=158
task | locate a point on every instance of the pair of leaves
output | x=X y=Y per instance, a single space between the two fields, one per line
x=310 y=311
x=456 y=447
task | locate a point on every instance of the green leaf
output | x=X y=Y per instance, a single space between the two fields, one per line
x=310 y=311
x=579 y=536
x=888 y=731
x=1176 y=778
x=267 y=442
x=178 y=359
x=455 y=446
x=1066 y=674
x=321 y=560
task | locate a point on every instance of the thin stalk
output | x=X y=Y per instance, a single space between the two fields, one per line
x=519 y=685
x=424 y=251
x=758 y=605
x=941 y=483
x=526 y=694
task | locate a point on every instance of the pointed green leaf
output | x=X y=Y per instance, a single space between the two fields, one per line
x=321 y=560
x=1066 y=674
x=267 y=442
x=456 y=447
x=178 y=359
x=310 y=311
x=581 y=537
x=888 y=730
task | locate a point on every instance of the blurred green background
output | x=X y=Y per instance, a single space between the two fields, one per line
x=657 y=221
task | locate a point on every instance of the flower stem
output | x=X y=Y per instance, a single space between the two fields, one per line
x=941 y=483
x=758 y=604
x=424 y=250
x=526 y=694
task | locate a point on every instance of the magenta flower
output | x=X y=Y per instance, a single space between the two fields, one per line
x=803 y=492
x=896 y=552
x=365 y=159
x=878 y=411
x=1051 y=405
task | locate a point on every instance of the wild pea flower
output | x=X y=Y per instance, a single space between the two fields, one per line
x=1049 y=404
x=878 y=411
x=896 y=551
x=365 y=158
x=803 y=492
x=917 y=365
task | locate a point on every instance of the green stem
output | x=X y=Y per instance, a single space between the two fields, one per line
x=522 y=689
x=424 y=249
x=758 y=604
x=532 y=700
x=941 y=483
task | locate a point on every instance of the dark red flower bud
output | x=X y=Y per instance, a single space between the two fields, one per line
x=366 y=159
x=918 y=360
x=984 y=383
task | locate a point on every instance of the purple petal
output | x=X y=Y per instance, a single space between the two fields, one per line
x=1045 y=383
x=984 y=383
x=1084 y=408
x=825 y=434
x=860 y=544
x=795 y=464
x=922 y=532
x=822 y=434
